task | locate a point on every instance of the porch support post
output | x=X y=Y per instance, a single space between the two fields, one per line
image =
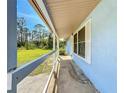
x=58 y=46
x=54 y=47
x=11 y=35
x=11 y=44
x=53 y=41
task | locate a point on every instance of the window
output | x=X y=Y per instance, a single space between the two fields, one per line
x=75 y=43
x=82 y=42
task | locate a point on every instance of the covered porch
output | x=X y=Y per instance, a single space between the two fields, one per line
x=67 y=78
x=81 y=24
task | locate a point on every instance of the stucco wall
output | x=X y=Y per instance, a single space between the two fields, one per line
x=69 y=46
x=102 y=70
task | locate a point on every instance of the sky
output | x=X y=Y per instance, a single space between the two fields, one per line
x=24 y=9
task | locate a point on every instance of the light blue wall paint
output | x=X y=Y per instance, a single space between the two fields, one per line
x=103 y=70
x=69 y=49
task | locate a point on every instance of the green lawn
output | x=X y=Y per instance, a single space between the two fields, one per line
x=25 y=56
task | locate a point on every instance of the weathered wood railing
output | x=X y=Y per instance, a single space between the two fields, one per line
x=51 y=85
x=17 y=75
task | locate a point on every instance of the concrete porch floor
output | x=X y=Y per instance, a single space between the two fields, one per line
x=33 y=84
x=71 y=80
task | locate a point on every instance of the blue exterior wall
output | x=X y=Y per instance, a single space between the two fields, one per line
x=103 y=68
x=68 y=44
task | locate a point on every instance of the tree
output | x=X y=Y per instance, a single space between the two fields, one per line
x=39 y=34
x=50 y=41
x=25 y=37
x=39 y=37
x=40 y=30
x=21 y=23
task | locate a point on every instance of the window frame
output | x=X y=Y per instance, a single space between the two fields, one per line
x=81 y=41
x=87 y=57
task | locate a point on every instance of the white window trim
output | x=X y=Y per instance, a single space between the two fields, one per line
x=87 y=58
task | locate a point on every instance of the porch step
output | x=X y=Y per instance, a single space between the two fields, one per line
x=72 y=79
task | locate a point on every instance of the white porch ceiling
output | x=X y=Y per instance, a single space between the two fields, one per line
x=67 y=15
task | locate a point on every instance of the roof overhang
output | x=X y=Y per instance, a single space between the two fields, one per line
x=64 y=16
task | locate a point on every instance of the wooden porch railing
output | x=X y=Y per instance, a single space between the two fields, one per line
x=51 y=85
x=17 y=75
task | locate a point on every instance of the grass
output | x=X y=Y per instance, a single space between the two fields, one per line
x=25 y=56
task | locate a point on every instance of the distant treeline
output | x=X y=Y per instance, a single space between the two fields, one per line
x=39 y=37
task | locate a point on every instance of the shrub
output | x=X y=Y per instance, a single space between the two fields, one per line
x=62 y=51
x=31 y=46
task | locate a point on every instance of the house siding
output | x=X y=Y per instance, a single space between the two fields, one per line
x=103 y=68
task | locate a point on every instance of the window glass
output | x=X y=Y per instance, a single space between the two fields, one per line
x=81 y=35
x=81 y=42
x=75 y=43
